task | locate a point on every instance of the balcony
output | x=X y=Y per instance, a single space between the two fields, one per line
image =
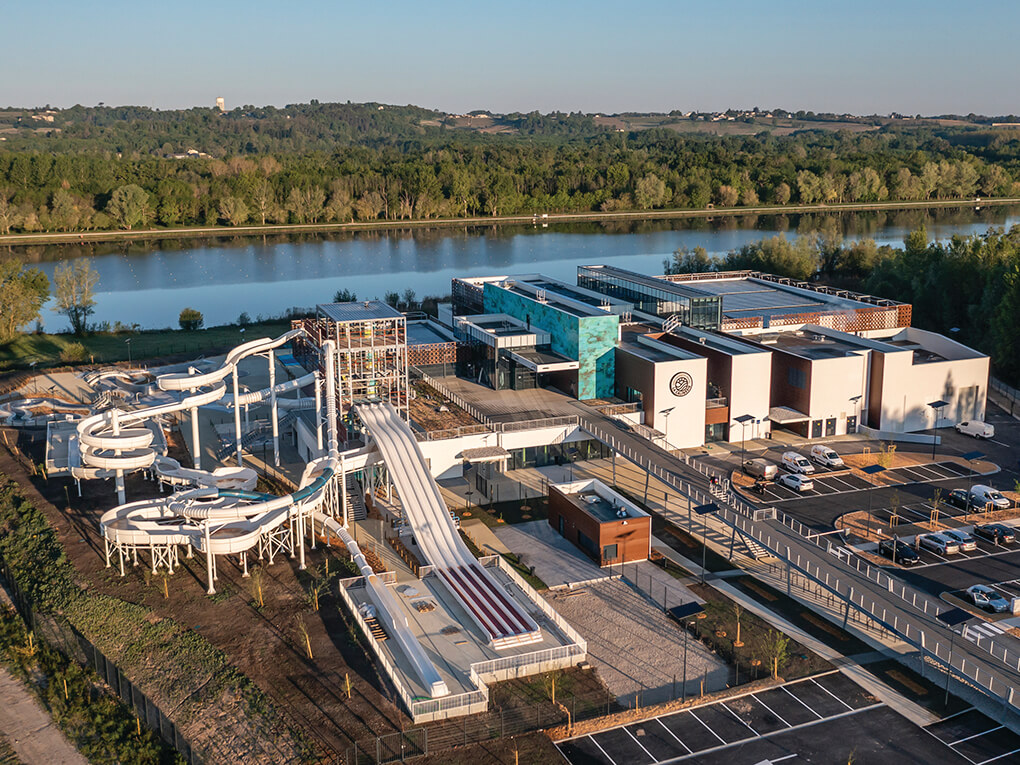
x=716 y=403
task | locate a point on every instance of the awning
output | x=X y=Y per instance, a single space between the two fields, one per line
x=784 y=415
x=543 y=361
x=485 y=454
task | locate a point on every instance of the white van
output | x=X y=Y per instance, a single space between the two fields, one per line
x=825 y=457
x=797 y=463
x=982 y=496
x=976 y=428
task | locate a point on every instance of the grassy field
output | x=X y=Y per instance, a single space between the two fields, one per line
x=103 y=348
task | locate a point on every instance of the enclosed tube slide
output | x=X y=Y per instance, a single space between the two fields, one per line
x=496 y=612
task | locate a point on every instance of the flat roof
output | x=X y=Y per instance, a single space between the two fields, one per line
x=423 y=333
x=365 y=310
x=810 y=343
x=714 y=340
x=599 y=501
x=749 y=296
x=653 y=282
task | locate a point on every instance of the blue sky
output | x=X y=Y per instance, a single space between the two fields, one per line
x=903 y=55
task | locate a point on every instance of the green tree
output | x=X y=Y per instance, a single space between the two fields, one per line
x=233 y=211
x=344 y=296
x=129 y=206
x=190 y=319
x=74 y=290
x=64 y=212
x=9 y=215
x=689 y=261
x=23 y=291
x=781 y=194
x=650 y=191
x=726 y=196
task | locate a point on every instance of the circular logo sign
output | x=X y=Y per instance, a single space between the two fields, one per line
x=681 y=384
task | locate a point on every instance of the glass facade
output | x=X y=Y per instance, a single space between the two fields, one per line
x=700 y=312
x=557 y=454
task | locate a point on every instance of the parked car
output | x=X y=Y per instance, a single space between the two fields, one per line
x=981 y=495
x=760 y=468
x=796 y=481
x=960 y=498
x=976 y=428
x=797 y=463
x=966 y=542
x=995 y=532
x=939 y=543
x=983 y=596
x=825 y=457
x=900 y=552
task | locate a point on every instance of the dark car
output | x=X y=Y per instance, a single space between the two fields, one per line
x=905 y=554
x=960 y=498
x=995 y=532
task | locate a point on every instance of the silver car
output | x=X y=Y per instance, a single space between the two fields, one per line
x=966 y=542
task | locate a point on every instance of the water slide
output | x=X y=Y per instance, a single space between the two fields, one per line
x=223 y=521
x=110 y=443
x=495 y=612
x=21 y=411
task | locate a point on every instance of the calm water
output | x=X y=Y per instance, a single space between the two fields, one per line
x=149 y=283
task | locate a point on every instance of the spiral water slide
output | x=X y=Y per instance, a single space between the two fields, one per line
x=496 y=612
x=110 y=443
x=224 y=521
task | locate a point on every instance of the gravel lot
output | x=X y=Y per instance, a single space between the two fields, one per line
x=634 y=645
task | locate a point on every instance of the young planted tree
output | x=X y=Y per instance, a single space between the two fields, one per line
x=258 y=580
x=737 y=612
x=776 y=648
x=306 y=638
x=75 y=285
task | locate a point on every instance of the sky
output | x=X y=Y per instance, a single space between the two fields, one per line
x=913 y=57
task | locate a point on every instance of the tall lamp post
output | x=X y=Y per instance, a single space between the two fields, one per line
x=856 y=401
x=952 y=618
x=743 y=420
x=128 y=343
x=705 y=510
x=684 y=614
x=937 y=406
x=872 y=470
x=665 y=427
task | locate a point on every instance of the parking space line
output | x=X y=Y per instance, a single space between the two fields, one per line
x=801 y=702
x=659 y=720
x=837 y=698
x=982 y=733
x=737 y=718
x=771 y=710
x=604 y=751
x=653 y=759
x=706 y=727
x=955 y=714
x=998 y=757
x=944 y=743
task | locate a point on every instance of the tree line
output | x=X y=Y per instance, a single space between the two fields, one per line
x=967 y=287
x=493 y=175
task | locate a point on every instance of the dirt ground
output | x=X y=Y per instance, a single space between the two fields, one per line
x=265 y=643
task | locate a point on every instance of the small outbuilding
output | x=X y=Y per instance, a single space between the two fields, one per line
x=607 y=527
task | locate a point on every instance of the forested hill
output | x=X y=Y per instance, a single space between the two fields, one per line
x=262 y=130
x=87 y=168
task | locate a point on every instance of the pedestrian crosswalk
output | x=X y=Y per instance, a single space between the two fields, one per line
x=986 y=630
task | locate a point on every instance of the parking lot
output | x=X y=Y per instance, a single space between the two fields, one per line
x=985 y=549
x=977 y=738
x=827 y=483
x=801 y=703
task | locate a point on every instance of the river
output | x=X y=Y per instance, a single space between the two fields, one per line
x=150 y=282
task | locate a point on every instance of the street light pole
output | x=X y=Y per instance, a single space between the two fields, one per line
x=856 y=401
x=937 y=407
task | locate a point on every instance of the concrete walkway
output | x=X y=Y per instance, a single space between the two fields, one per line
x=32 y=733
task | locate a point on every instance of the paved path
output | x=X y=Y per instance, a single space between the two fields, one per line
x=30 y=730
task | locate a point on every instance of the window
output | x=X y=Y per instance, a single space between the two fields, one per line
x=796 y=378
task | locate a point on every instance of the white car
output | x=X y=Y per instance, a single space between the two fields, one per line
x=985 y=597
x=976 y=428
x=982 y=496
x=797 y=463
x=796 y=481
x=939 y=543
x=825 y=457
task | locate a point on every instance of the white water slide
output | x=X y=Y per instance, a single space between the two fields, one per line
x=481 y=596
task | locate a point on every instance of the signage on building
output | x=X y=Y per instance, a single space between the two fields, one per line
x=681 y=384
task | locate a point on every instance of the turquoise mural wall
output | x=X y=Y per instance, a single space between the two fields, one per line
x=588 y=339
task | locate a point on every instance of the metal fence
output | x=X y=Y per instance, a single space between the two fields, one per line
x=60 y=635
x=1010 y=394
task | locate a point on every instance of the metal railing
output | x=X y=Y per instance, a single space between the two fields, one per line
x=1011 y=394
x=736 y=513
x=716 y=403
